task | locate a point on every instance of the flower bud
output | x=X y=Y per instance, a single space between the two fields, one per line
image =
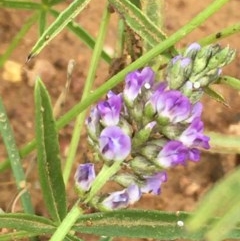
x=178 y=71
x=222 y=58
x=93 y=124
x=84 y=177
x=142 y=135
x=192 y=50
x=125 y=179
x=141 y=166
x=202 y=58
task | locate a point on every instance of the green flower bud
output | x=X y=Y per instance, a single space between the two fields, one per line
x=140 y=165
x=202 y=58
x=125 y=179
x=222 y=58
x=143 y=135
x=192 y=50
x=178 y=71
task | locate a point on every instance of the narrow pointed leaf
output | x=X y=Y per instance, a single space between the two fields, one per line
x=17 y=235
x=28 y=226
x=223 y=201
x=26 y=222
x=215 y=95
x=58 y=25
x=141 y=224
x=20 y=4
x=139 y=22
x=17 y=170
x=49 y=166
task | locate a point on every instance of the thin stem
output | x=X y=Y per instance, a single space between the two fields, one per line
x=103 y=176
x=67 y=223
x=226 y=32
x=231 y=81
x=87 y=87
x=112 y=82
x=15 y=160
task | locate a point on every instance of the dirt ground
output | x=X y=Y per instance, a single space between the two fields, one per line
x=186 y=185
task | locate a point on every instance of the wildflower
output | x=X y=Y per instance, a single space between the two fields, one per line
x=135 y=81
x=114 y=143
x=172 y=154
x=84 y=177
x=194 y=139
x=153 y=183
x=110 y=109
x=121 y=199
x=93 y=123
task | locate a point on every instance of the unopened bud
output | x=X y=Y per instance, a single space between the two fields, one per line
x=192 y=50
x=141 y=165
x=178 y=71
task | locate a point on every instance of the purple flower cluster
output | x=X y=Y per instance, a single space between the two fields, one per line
x=149 y=127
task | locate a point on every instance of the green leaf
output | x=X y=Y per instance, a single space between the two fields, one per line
x=16 y=235
x=15 y=160
x=49 y=165
x=136 y=224
x=140 y=23
x=28 y=226
x=20 y=4
x=26 y=222
x=214 y=95
x=223 y=201
x=141 y=224
x=42 y=21
x=58 y=25
x=222 y=143
x=233 y=82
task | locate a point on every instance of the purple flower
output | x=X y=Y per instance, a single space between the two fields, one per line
x=110 y=109
x=114 y=143
x=93 y=122
x=193 y=138
x=122 y=199
x=172 y=154
x=136 y=80
x=153 y=183
x=85 y=176
x=195 y=112
x=171 y=104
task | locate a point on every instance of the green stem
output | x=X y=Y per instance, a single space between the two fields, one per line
x=103 y=176
x=112 y=82
x=226 y=32
x=67 y=223
x=87 y=87
x=15 y=160
x=228 y=80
